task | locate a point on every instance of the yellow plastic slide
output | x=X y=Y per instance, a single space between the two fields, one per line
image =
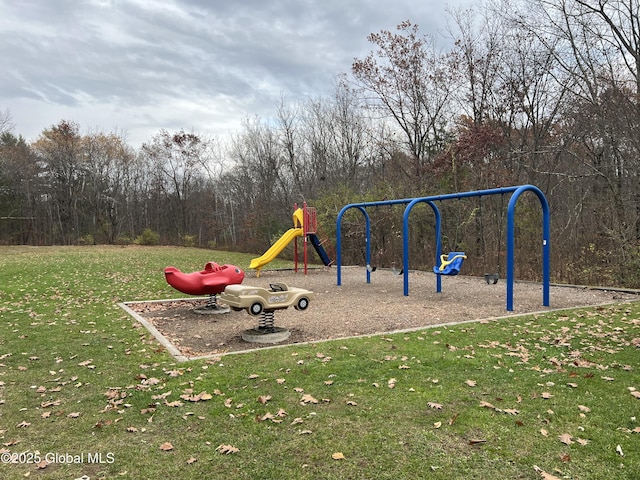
x=276 y=248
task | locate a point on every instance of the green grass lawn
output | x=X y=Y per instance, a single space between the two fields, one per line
x=83 y=386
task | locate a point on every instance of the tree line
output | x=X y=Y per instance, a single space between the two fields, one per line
x=543 y=92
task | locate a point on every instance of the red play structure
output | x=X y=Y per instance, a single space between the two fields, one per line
x=210 y=281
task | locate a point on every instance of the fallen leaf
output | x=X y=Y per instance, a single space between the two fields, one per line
x=266 y=416
x=166 y=446
x=264 y=399
x=74 y=415
x=306 y=398
x=202 y=396
x=584 y=409
x=619 y=451
x=471 y=383
x=227 y=449
x=338 y=456
x=566 y=438
x=545 y=475
x=192 y=460
x=435 y=406
x=437 y=425
x=487 y=405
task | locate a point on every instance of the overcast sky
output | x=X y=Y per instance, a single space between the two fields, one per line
x=138 y=66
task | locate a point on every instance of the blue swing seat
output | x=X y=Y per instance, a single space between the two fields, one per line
x=450 y=264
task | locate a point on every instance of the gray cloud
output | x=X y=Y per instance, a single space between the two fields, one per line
x=143 y=65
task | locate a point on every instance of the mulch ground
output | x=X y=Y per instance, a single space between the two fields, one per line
x=358 y=308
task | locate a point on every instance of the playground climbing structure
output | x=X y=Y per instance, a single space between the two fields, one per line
x=305 y=226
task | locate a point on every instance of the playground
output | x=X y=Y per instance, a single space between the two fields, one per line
x=358 y=308
x=363 y=300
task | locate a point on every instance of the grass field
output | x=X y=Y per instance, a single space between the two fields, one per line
x=85 y=391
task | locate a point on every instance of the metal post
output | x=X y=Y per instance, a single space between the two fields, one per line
x=305 y=222
x=295 y=245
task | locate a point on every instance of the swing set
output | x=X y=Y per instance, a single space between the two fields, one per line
x=449 y=264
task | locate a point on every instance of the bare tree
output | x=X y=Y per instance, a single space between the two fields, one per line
x=59 y=149
x=6 y=123
x=410 y=81
x=595 y=45
x=109 y=161
x=339 y=140
x=288 y=118
x=479 y=53
x=178 y=161
x=620 y=30
x=261 y=187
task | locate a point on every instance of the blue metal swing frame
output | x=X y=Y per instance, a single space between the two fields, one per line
x=515 y=191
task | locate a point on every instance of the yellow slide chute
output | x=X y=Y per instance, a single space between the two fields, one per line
x=276 y=248
x=281 y=243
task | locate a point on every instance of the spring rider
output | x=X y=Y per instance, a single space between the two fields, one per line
x=211 y=281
